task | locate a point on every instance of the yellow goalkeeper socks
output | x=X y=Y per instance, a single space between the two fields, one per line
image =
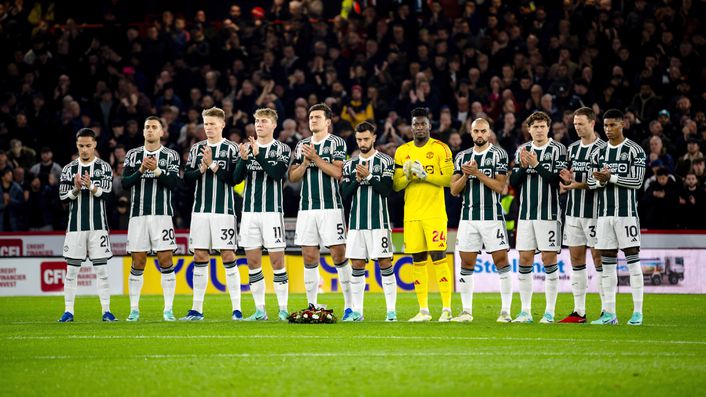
x=421 y=284
x=443 y=277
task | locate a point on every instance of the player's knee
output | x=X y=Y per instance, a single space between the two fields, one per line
x=201 y=256
x=338 y=253
x=500 y=259
x=419 y=257
x=228 y=255
x=437 y=255
x=609 y=253
x=384 y=263
x=549 y=258
x=631 y=251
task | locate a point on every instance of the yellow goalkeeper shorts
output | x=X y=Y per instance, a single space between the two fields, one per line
x=425 y=235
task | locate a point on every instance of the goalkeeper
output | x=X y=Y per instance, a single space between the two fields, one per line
x=423 y=168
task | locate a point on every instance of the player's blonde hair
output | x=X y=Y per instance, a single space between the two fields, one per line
x=214 y=112
x=266 y=112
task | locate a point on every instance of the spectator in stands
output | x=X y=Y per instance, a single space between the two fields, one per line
x=658 y=152
x=46 y=166
x=659 y=202
x=699 y=168
x=357 y=110
x=38 y=206
x=11 y=204
x=692 y=201
x=20 y=155
x=4 y=162
x=685 y=163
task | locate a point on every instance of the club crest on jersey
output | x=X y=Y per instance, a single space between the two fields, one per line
x=623 y=156
x=326 y=150
x=163 y=163
x=98 y=173
x=272 y=154
x=376 y=168
x=430 y=155
x=547 y=156
x=222 y=153
x=488 y=161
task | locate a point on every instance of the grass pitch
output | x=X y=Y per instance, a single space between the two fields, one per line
x=664 y=357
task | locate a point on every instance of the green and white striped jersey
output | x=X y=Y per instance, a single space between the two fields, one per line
x=481 y=203
x=150 y=195
x=626 y=161
x=263 y=177
x=581 y=203
x=319 y=190
x=86 y=211
x=539 y=198
x=214 y=191
x=369 y=207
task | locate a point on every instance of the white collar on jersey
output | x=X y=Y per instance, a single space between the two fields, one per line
x=374 y=152
x=88 y=164
x=483 y=152
x=590 y=144
x=618 y=145
x=542 y=147
x=217 y=143
x=317 y=142
x=155 y=152
x=266 y=145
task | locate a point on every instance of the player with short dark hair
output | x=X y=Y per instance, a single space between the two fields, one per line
x=368 y=179
x=86 y=184
x=423 y=168
x=151 y=173
x=618 y=174
x=318 y=163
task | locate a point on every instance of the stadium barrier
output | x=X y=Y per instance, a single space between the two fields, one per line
x=31 y=264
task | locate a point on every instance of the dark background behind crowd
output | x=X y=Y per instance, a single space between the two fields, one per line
x=109 y=64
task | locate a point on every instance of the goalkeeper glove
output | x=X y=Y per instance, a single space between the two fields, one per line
x=418 y=170
x=407 y=169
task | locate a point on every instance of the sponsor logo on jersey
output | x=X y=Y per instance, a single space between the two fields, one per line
x=429 y=169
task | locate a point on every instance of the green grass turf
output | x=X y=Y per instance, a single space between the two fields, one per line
x=666 y=356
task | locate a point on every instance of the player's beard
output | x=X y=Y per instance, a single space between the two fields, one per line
x=479 y=142
x=365 y=150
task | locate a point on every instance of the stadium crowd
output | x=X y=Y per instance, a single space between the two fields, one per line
x=373 y=60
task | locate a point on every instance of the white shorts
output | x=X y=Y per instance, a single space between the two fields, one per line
x=95 y=243
x=151 y=233
x=580 y=232
x=262 y=229
x=539 y=235
x=474 y=235
x=369 y=244
x=618 y=232
x=320 y=227
x=212 y=231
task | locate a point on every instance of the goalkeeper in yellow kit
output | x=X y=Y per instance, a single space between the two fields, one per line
x=423 y=168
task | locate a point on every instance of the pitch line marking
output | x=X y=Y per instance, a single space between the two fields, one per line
x=381 y=337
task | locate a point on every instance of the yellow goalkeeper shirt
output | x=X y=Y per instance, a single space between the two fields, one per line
x=424 y=199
